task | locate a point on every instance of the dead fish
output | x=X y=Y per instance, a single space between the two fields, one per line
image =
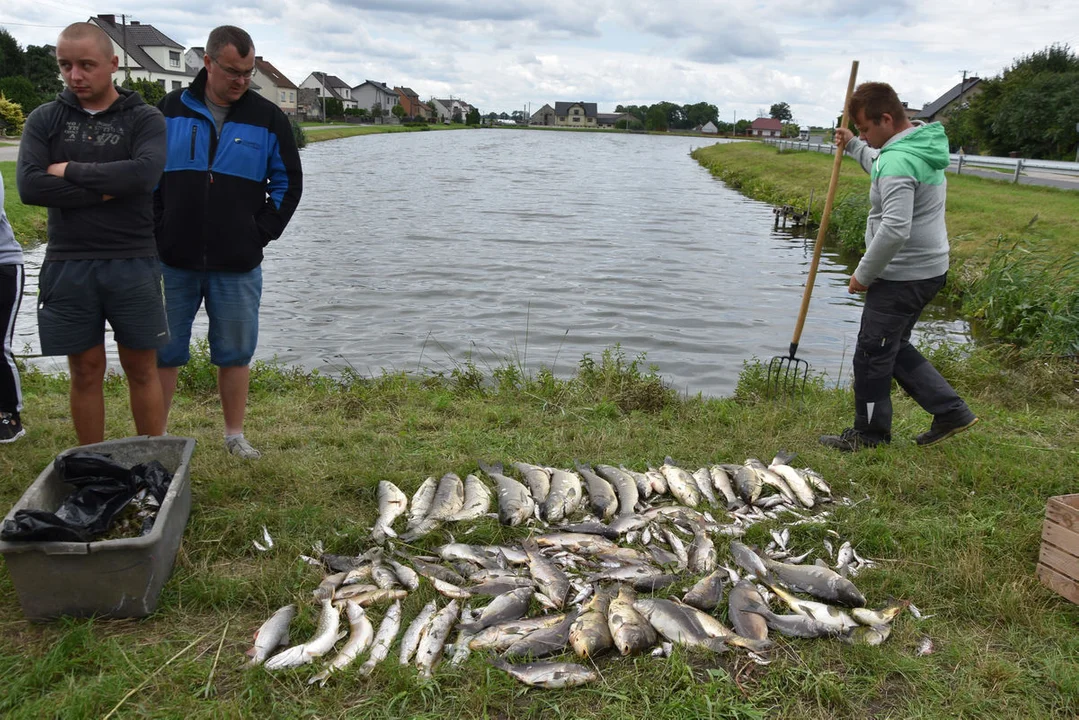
x=748 y=483
x=869 y=635
x=433 y=570
x=432 y=641
x=925 y=647
x=421 y=503
x=477 y=501
x=271 y=634
x=702 y=553
x=372 y=597
x=537 y=479
x=703 y=478
x=450 y=590
x=411 y=639
x=629 y=629
x=601 y=496
x=820 y=582
x=342 y=563
x=884 y=616
x=449 y=498
x=796 y=483
x=265 y=539
x=482 y=555
x=590 y=634
x=549 y=675
x=625 y=487
x=678 y=547
x=408 y=577
x=506 y=607
x=721 y=481
x=748 y=560
x=680 y=483
x=323 y=640
x=743 y=596
x=360 y=637
x=497 y=638
x=550 y=580
x=387 y=631
x=565 y=495
x=546 y=641
x=707 y=593
x=391 y=504
x=642 y=481
x=515 y=503
x=328 y=586
x=828 y=614
x=590 y=528
x=678 y=624
x=799 y=626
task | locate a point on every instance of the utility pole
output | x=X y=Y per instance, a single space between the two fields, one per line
x=123 y=26
x=963 y=86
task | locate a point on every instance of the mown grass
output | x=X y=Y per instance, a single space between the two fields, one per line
x=955 y=528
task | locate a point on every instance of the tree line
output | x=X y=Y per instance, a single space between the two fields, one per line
x=1031 y=108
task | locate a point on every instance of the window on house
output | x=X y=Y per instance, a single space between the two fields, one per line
x=576 y=111
x=176 y=84
x=576 y=119
x=161 y=83
x=174 y=58
x=292 y=96
x=282 y=96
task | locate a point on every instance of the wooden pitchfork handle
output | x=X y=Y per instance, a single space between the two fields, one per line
x=825 y=216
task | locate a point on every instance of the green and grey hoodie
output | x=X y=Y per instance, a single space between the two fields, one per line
x=905 y=235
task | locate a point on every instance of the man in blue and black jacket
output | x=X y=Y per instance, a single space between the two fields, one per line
x=231 y=183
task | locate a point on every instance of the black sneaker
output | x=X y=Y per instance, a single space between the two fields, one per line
x=850 y=441
x=10 y=427
x=943 y=429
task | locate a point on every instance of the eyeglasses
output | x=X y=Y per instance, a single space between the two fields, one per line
x=232 y=74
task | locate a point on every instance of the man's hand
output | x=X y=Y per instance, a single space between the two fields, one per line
x=855 y=286
x=842 y=136
x=57 y=169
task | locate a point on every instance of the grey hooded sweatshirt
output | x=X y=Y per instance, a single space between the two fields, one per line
x=905 y=235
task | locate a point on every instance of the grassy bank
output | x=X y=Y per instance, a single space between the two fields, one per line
x=979 y=210
x=344 y=131
x=955 y=529
x=29 y=222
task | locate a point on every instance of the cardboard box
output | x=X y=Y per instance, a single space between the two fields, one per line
x=1058 y=561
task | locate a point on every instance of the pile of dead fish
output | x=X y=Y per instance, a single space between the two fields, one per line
x=649 y=532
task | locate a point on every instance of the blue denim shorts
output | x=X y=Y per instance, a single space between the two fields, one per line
x=232 y=305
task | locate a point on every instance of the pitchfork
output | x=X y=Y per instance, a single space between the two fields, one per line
x=784 y=371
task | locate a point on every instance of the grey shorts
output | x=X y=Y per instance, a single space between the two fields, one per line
x=76 y=298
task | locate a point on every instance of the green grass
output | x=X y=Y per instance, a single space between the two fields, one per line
x=344 y=131
x=955 y=528
x=29 y=222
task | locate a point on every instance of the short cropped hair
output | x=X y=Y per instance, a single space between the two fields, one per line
x=84 y=30
x=874 y=99
x=225 y=35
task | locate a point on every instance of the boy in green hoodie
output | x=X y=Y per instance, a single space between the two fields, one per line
x=905 y=265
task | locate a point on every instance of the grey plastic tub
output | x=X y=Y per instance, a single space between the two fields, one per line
x=112 y=578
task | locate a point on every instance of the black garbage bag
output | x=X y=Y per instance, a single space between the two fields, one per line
x=154 y=477
x=87 y=512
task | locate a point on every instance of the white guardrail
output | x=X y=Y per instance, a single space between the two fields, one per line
x=1015 y=165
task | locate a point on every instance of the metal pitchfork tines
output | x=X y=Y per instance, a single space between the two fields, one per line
x=784 y=370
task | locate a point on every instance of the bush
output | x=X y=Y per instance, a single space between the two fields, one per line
x=21 y=91
x=11 y=117
x=849 y=216
x=298 y=134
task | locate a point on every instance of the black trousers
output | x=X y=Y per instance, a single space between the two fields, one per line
x=884 y=352
x=11 y=286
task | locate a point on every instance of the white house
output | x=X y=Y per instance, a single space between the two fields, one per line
x=445 y=108
x=370 y=93
x=146 y=53
x=709 y=128
x=274 y=86
x=330 y=86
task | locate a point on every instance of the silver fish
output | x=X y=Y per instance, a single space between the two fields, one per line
x=271 y=634
x=721 y=481
x=408 y=577
x=550 y=580
x=681 y=484
x=506 y=607
x=497 y=638
x=707 y=593
x=450 y=590
x=515 y=503
x=477 y=501
x=748 y=483
x=629 y=629
x=547 y=674
x=411 y=639
x=800 y=626
x=537 y=479
x=391 y=503
x=703 y=478
x=625 y=487
x=421 y=502
x=590 y=633
x=678 y=547
x=601 y=496
x=796 y=483
x=828 y=614
x=659 y=482
x=430 y=649
x=702 y=553
x=449 y=498
x=361 y=635
x=820 y=582
x=323 y=640
x=565 y=496
x=387 y=631
x=748 y=560
x=746 y=623
x=643 y=482
x=546 y=641
x=678 y=624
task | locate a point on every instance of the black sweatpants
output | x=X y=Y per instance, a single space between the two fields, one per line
x=11 y=286
x=884 y=351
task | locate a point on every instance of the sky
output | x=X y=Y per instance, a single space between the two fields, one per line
x=506 y=55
